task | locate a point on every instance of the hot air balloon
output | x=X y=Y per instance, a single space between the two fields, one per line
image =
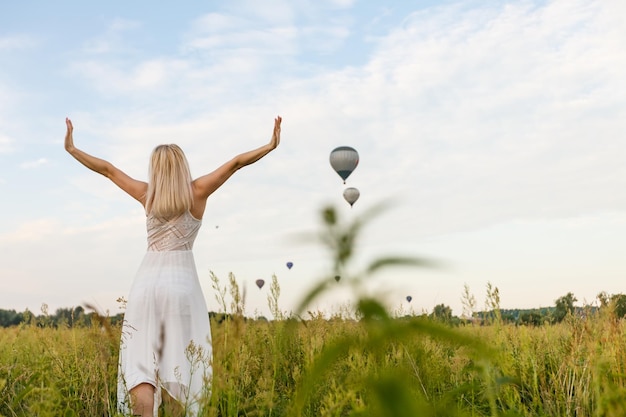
x=409 y=298
x=289 y=265
x=260 y=283
x=337 y=278
x=351 y=195
x=344 y=160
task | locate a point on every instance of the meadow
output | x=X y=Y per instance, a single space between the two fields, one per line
x=371 y=364
x=408 y=366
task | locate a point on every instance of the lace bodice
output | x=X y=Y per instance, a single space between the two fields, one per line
x=175 y=234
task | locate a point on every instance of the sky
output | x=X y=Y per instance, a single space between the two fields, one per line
x=493 y=130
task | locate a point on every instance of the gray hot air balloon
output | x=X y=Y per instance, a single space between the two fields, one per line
x=351 y=195
x=344 y=160
x=260 y=283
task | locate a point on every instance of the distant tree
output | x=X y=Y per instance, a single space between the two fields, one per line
x=531 y=318
x=63 y=317
x=617 y=302
x=29 y=317
x=563 y=306
x=116 y=319
x=509 y=316
x=70 y=317
x=442 y=312
x=10 y=318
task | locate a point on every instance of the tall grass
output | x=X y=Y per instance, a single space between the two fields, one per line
x=375 y=365
x=58 y=372
x=339 y=367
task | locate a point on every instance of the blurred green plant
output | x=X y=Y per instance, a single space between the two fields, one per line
x=392 y=388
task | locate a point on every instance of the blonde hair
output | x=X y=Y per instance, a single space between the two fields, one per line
x=169 y=183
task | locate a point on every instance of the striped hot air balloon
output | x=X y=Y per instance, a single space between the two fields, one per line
x=351 y=195
x=344 y=160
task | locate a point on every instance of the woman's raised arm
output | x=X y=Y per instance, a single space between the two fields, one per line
x=136 y=189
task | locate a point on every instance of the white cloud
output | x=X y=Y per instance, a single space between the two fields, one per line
x=227 y=35
x=123 y=25
x=342 y=4
x=324 y=39
x=34 y=164
x=221 y=52
x=33 y=231
x=267 y=12
x=17 y=41
x=142 y=77
x=217 y=23
x=5 y=144
x=115 y=39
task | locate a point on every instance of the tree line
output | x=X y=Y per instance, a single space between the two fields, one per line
x=73 y=317
x=563 y=306
x=62 y=317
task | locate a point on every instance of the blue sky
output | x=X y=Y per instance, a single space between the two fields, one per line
x=496 y=128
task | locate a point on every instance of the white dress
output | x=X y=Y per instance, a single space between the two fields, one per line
x=166 y=336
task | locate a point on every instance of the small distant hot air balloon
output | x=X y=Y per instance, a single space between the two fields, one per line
x=409 y=298
x=337 y=278
x=260 y=283
x=344 y=160
x=289 y=265
x=351 y=195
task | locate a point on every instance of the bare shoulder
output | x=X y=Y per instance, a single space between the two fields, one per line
x=199 y=202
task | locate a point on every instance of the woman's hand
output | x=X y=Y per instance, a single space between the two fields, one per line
x=276 y=135
x=69 y=138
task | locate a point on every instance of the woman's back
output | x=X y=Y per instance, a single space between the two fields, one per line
x=170 y=235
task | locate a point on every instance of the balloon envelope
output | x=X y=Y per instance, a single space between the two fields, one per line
x=289 y=265
x=351 y=195
x=344 y=160
x=337 y=278
x=260 y=283
x=409 y=298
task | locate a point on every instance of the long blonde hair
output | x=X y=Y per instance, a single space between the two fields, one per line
x=169 y=191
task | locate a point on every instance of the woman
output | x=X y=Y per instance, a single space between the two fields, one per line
x=165 y=350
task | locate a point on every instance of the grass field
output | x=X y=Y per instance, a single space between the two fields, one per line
x=376 y=365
